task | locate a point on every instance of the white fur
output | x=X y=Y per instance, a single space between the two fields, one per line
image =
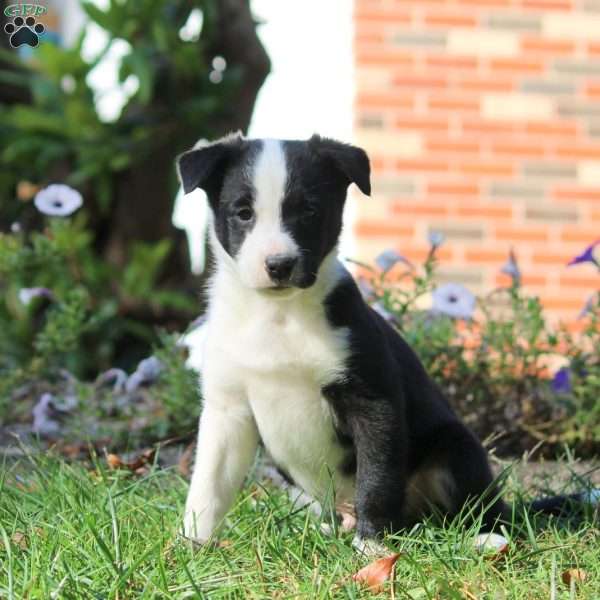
x=265 y=359
x=268 y=235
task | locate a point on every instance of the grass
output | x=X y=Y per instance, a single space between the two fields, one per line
x=67 y=531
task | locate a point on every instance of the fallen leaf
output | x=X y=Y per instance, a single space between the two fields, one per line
x=575 y=575
x=138 y=465
x=18 y=539
x=376 y=573
x=185 y=460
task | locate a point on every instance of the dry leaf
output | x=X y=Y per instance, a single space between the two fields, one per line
x=576 y=575
x=376 y=573
x=185 y=460
x=18 y=539
x=138 y=466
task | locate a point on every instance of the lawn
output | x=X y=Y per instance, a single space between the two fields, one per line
x=86 y=531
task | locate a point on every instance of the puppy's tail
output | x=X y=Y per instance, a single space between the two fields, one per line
x=567 y=504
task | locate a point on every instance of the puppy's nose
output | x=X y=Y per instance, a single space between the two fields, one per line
x=280 y=266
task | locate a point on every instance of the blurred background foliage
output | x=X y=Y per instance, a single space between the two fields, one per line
x=84 y=298
x=120 y=269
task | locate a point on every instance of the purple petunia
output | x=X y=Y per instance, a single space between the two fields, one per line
x=388 y=258
x=561 y=382
x=588 y=255
x=436 y=238
x=58 y=200
x=454 y=300
x=26 y=295
x=511 y=268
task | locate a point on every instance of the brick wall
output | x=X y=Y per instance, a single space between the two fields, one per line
x=482 y=119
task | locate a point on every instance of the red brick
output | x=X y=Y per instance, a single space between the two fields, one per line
x=422 y=123
x=368 y=37
x=592 y=90
x=452 y=146
x=425 y=208
x=419 y=254
x=547 y=5
x=576 y=151
x=521 y=234
x=579 y=281
x=382 y=16
x=421 y=165
x=551 y=258
x=450 y=19
x=404 y=101
x=444 y=61
x=519 y=149
x=526 y=279
x=488 y=84
x=492 y=169
x=462 y=188
x=555 y=302
x=517 y=65
x=561 y=128
x=381 y=57
x=483 y=256
x=489 y=212
x=482 y=126
x=577 y=193
x=381 y=229
x=416 y=80
x=540 y=45
x=454 y=103
x=574 y=233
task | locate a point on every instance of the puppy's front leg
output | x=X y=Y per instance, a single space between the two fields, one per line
x=227 y=443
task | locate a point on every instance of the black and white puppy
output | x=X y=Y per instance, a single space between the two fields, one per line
x=294 y=357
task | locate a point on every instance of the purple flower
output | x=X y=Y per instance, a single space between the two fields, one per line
x=453 y=300
x=436 y=238
x=44 y=416
x=118 y=377
x=147 y=372
x=561 y=382
x=587 y=307
x=58 y=200
x=388 y=258
x=511 y=268
x=588 y=255
x=26 y=295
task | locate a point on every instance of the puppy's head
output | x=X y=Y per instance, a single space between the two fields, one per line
x=277 y=204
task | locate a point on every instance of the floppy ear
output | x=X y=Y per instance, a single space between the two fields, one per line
x=202 y=166
x=352 y=161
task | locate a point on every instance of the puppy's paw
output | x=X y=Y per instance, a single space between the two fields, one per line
x=369 y=547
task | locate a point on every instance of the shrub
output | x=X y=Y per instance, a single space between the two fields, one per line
x=496 y=357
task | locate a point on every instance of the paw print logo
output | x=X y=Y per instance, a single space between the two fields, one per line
x=24 y=31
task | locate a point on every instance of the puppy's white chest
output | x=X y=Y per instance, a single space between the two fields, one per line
x=282 y=359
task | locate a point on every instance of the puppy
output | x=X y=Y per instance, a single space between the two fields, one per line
x=294 y=357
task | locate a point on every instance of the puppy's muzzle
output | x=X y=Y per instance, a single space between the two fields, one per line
x=280 y=267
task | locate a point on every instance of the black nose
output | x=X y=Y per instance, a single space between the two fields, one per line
x=280 y=267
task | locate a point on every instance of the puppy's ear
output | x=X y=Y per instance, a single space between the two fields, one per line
x=352 y=161
x=203 y=167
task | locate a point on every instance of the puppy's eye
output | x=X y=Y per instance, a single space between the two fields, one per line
x=245 y=213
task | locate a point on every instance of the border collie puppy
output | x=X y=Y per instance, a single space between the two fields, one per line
x=294 y=357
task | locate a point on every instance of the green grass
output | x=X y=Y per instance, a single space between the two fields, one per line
x=71 y=532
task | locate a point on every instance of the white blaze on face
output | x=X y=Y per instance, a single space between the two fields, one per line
x=268 y=236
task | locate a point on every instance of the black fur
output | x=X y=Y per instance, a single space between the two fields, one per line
x=399 y=422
